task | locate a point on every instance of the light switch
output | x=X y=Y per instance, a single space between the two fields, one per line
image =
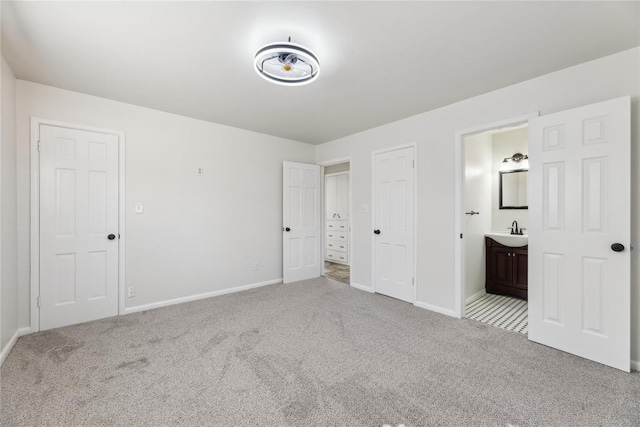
x=364 y=208
x=139 y=208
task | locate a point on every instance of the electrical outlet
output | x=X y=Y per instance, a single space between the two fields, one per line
x=130 y=292
x=256 y=266
x=139 y=208
x=200 y=171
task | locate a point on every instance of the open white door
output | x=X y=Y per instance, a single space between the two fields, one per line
x=301 y=222
x=579 y=232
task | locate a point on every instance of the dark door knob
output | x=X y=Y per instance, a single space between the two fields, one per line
x=376 y=231
x=287 y=229
x=617 y=247
x=111 y=236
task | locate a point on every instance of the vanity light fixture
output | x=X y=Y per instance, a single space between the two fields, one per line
x=518 y=161
x=286 y=64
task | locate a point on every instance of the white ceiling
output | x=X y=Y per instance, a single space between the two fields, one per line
x=380 y=61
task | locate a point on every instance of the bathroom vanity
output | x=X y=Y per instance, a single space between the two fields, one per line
x=507 y=264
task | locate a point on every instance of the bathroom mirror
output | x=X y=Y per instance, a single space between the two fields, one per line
x=513 y=189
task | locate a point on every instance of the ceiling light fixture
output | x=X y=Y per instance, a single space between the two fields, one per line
x=287 y=64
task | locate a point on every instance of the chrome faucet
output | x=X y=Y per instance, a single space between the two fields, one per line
x=514 y=227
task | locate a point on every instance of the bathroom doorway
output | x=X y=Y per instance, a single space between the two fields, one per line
x=337 y=262
x=495 y=203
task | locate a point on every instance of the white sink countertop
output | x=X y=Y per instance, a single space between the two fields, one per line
x=507 y=239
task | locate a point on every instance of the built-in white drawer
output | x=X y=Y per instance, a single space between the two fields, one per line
x=338 y=225
x=337 y=256
x=337 y=246
x=337 y=235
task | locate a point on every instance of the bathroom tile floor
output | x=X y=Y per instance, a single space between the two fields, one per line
x=501 y=311
x=338 y=272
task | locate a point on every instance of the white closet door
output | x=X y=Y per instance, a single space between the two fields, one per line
x=301 y=222
x=330 y=196
x=78 y=213
x=342 y=195
x=579 y=242
x=394 y=223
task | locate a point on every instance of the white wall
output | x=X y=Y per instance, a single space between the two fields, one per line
x=8 y=214
x=199 y=233
x=478 y=191
x=599 y=80
x=506 y=144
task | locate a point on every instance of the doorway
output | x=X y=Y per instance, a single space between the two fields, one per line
x=495 y=227
x=337 y=262
x=577 y=261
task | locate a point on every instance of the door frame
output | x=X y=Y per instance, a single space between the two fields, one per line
x=413 y=145
x=459 y=270
x=322 y=212
x=34 y=265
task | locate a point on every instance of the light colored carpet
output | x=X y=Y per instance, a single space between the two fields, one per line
x=307 y=353
x=501 y=311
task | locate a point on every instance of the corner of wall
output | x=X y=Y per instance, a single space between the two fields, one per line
x=8 y=209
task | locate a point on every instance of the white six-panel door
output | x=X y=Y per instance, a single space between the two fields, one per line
x=579 y=287
x=301 y=222
x=78 y=211
x=342 y=195
x=393 y=206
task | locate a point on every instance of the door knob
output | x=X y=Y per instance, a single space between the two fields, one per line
x=376 y=231
x=617 y=247
x=287 y=229
x=111 y=236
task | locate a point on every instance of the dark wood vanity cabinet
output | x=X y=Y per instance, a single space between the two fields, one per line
x=507 y=269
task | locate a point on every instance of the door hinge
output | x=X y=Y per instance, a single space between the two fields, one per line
x=38 y=300
x=413 y=281
x=38 y=146
x=413 y=163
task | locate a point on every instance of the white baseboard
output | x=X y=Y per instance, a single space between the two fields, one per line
x=12 y=342
x=361 y=287
x=635 y=365
x=475 y=296
x=435 y=308
x=153 y=305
